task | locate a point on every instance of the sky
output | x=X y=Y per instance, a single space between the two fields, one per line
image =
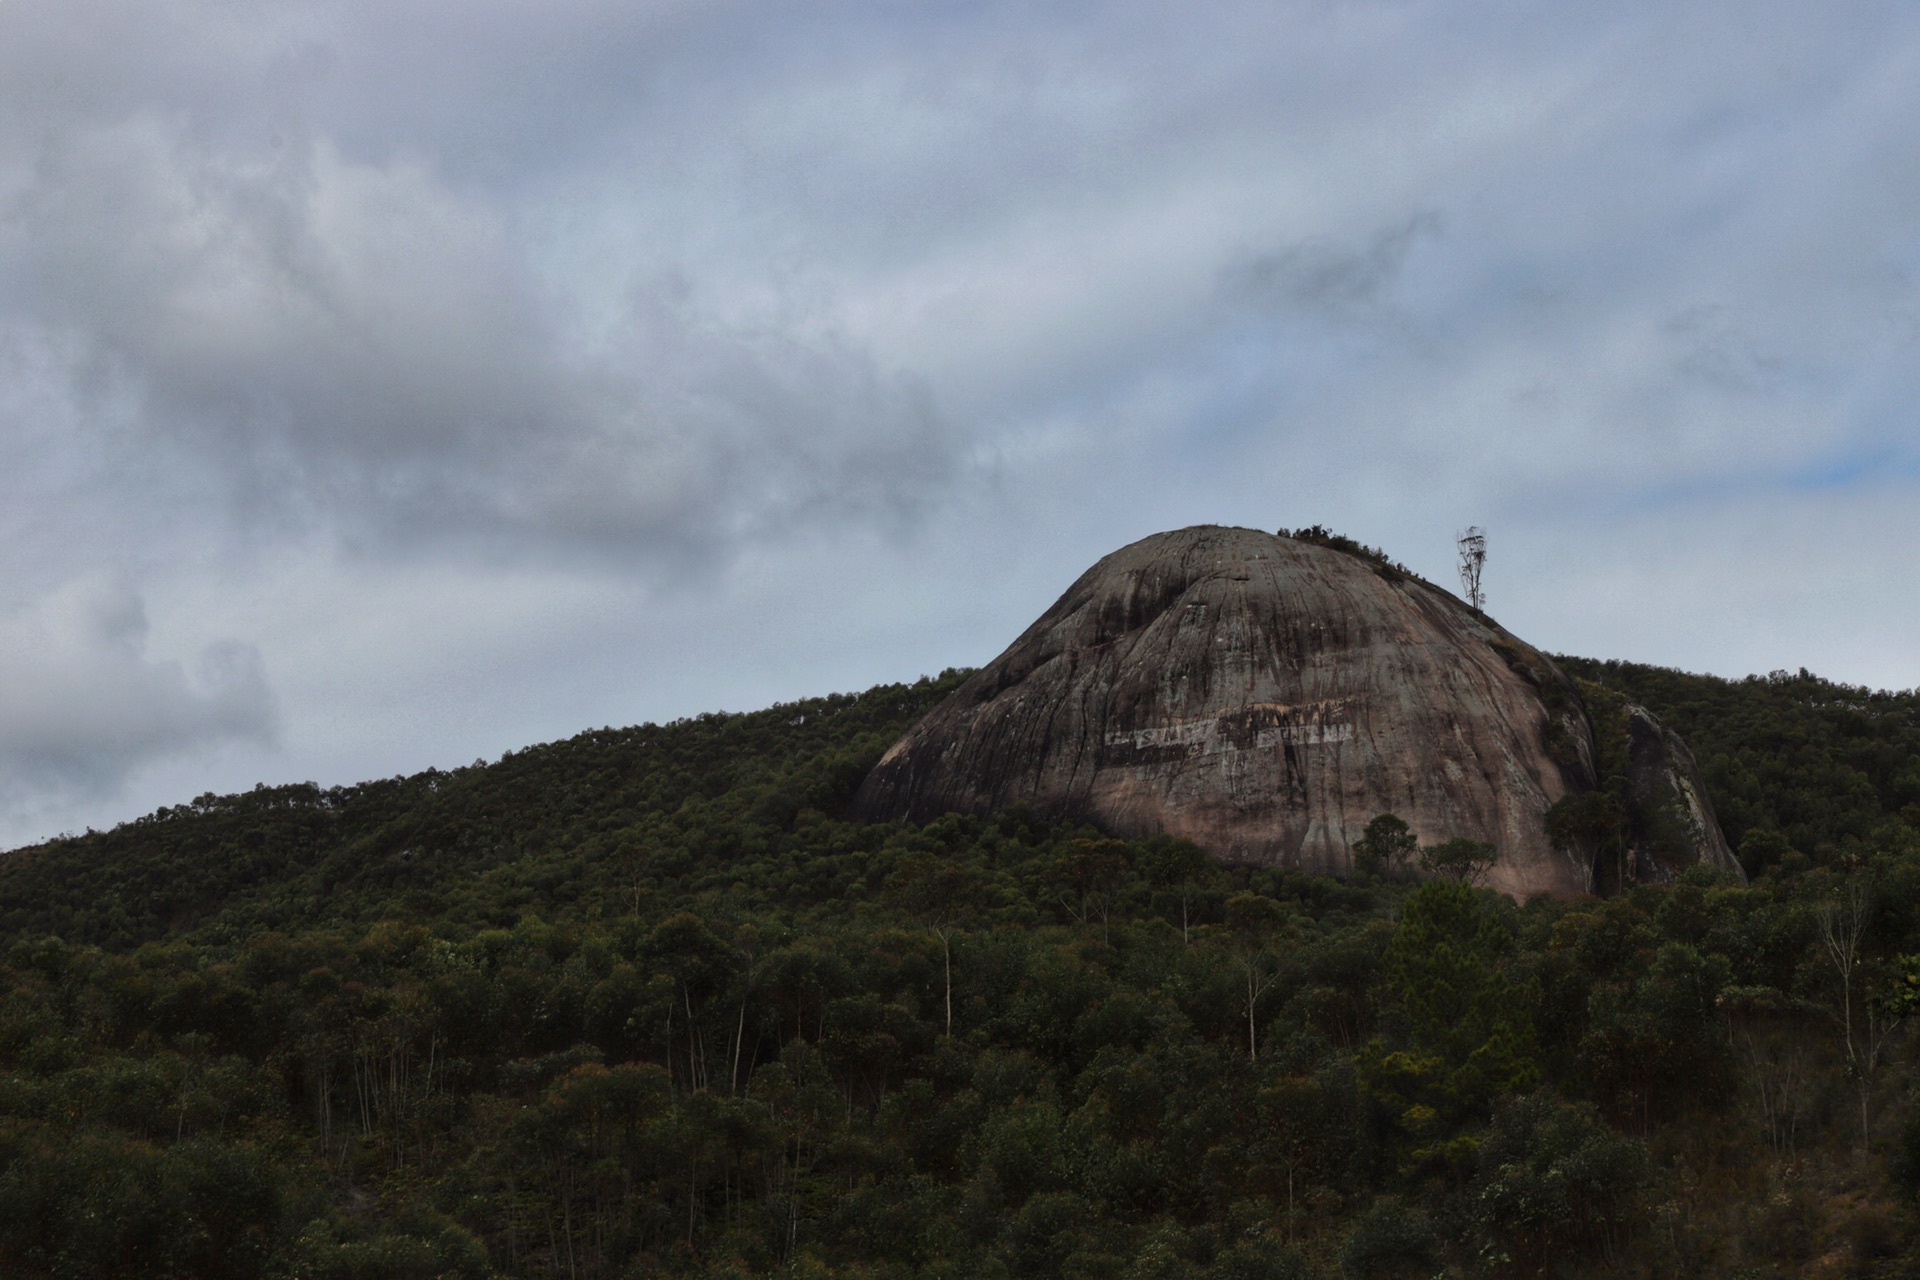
x=386 y=386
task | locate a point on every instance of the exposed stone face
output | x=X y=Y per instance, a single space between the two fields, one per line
x=1672 y=823
x=1263 y=697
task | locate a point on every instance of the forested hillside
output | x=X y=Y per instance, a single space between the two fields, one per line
x=644 y=1003
x=1796 y=764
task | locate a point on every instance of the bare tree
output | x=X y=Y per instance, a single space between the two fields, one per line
x=1865 y=1024
x=944 y=894
x=1473 y=557
x=1767 y=1028
x=1255 y=925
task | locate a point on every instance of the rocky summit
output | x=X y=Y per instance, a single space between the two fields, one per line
x=1266 y=696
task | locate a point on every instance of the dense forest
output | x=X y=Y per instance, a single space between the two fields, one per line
x=643 y=1003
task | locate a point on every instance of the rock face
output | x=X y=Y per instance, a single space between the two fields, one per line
x=1671 y=820
x=1263 y=697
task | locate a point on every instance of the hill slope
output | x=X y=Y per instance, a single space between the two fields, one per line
x=1793 y=762
x=548 y=828
x=647 y=1002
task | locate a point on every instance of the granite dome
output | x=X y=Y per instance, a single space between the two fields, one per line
x=1265 y=697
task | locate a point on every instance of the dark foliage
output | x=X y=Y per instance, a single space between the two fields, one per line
x=1348 y=546
x=1794 y=763
x=645 y=1003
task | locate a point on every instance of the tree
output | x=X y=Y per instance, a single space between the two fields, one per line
x=1255 y=922
x=1473 y=557
x=1657 y=1045
x=1089 y=877
x=1445 y=965
x=699 y=962
x=1385 y=847
x=1176 y=864
x=1767 y=1030
x=1305 y=1134
x=1592 y=826
x=1459 y=859
x=943 y=893
x=1390 y=1239
x=748 y=947
x=1553 y=1180
x=1865 y=1024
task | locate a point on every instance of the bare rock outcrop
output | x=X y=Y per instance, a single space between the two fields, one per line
x=1264 y=697
x=1671 y=823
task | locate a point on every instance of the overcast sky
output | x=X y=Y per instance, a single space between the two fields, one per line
x=386 y=385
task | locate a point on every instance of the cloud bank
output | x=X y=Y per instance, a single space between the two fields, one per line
x=560 y=341
x=356 y=347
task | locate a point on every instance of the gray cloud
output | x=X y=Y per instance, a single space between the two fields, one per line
x=356 y=345
x=861 y=316
x=1338 y=280
x=1715 y=351
x=83 y=705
